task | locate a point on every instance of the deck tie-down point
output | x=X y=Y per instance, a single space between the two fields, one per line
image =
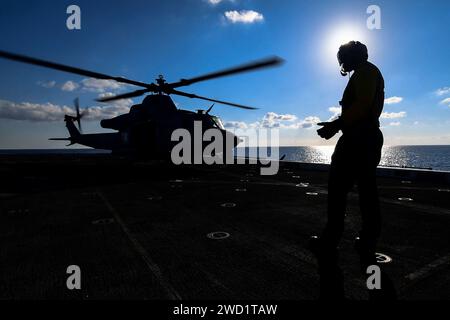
x=382 y=258
x=218 y=235
x=228 y=205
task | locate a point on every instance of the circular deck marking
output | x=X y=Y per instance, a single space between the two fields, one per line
x=312 y=193
x=154 y=198
x=218 y=235
x=241 y=190
x=103 y=221
x=382 y=258
x=444 y=190
x=302 y=185
x=405 y=199
x=228 y=205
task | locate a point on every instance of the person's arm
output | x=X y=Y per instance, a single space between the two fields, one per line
x=365 y=89
x=329 y=129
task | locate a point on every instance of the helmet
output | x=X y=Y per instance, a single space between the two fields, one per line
x=350 y=55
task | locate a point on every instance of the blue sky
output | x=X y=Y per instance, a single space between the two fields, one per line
x=184 y=38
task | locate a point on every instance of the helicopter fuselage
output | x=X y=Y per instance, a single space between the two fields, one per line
x=147 y=129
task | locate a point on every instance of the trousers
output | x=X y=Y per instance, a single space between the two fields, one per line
x=354 y=161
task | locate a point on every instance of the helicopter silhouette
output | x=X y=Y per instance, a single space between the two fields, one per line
x=146 y=130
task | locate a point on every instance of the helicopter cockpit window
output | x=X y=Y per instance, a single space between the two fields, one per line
x=218 y=122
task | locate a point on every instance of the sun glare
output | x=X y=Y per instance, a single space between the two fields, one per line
x=338 y=36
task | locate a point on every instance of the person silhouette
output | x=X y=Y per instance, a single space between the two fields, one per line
x=356 y=155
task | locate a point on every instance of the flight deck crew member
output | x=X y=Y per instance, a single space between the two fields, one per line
x=357 y=153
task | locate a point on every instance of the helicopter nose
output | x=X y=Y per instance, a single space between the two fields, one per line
x=237 y=140
x=231 y=136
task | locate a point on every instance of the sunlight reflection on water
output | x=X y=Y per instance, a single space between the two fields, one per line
x=319 y=154
x=435 y=157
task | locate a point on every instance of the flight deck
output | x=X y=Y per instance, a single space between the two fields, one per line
x=148 y=230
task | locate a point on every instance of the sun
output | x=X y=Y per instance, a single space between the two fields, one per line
x=340 y=35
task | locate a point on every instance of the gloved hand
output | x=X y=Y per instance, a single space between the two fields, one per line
x=329 y=129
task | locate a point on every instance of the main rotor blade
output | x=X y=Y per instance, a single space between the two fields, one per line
x=132 y=94
x=61 y=67
x=273 y=61
x=194 y=96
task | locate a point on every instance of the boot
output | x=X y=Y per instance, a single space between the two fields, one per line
x=331 y=277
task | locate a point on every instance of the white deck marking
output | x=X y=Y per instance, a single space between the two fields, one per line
x=424 y=208
x=152 y=266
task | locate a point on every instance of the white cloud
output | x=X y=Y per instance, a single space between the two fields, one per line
x=442 y=91
x=235 y=125
x=309 y=122
x=52 y=112
x=124 y=103
x=305 y=123
x=216 y=2
x=98 y=113
x=273 y=120
x=272 y=116
x=290 y=121
x=244 y=16
x=32 y=111
x=88 y=84
x=393 y=115
x=47 y=84
x=336 y=111
x=100 y=86
x=446 y=101
x=393 y=100
x=70 y=86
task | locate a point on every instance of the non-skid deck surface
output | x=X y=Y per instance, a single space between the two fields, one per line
x=140 y=231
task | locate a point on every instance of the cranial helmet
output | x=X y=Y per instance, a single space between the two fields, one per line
x=350 y=55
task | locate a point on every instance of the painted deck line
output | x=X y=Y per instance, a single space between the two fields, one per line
x=172 y=294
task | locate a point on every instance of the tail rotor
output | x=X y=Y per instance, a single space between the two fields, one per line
x=79 y=115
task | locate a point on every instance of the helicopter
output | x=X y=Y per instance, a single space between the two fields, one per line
x=146 y=130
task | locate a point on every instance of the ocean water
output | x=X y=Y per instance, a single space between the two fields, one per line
x=427 y=157
x=424 y=157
